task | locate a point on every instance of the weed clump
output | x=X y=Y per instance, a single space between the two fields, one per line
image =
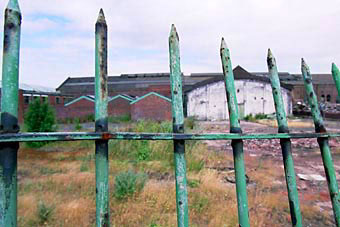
x=128 y=183
x=44 y=212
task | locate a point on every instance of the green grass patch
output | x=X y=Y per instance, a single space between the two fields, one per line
x=128 y=183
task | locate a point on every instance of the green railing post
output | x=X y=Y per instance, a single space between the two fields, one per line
x=9 y=114
x=286 y=145
x=323 y=142
x=178 y=127
x=101 y=125
x=237 y=144
x=336 y=78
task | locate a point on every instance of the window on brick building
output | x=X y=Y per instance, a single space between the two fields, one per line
x=26 y=99
x=328 y=98
x=322 y=98
x=57 y=100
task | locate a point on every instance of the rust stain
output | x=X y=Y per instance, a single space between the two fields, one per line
x=106 y=136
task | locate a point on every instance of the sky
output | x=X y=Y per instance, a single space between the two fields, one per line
x=57 y=36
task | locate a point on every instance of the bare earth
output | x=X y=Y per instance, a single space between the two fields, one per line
x=311 y=180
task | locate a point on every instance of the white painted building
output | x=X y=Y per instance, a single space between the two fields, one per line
x=207 y=100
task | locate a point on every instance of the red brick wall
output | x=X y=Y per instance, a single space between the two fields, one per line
x=118 y=107
x=81 y=108
x=152 y=107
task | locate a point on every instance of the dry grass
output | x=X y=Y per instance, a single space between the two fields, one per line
x=291 y=123
x=66 y=180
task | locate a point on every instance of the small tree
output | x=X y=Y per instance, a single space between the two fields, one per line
x=40 y=117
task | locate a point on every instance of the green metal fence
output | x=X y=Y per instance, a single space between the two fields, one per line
x=10 y=136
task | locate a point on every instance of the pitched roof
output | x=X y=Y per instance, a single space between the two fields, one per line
x=34 y=88
x=239 y=74
x=148 y=94
x=130 y=81
x=87 y=97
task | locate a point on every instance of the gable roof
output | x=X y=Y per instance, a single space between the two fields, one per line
x=87 y=97
x=148 y=94
x=126 y=97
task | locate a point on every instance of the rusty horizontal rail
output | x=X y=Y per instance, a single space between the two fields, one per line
x=73 y=136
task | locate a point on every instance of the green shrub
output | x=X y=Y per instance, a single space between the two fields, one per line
x=128 y=183
x=44 y=212
x=249 y=117
x=40 y=117
x=260 y=116
x=252 y=118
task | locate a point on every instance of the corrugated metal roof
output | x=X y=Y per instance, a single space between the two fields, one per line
x=34 y=88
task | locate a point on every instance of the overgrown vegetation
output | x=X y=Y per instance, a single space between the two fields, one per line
x=151 y=151
x=254 y=118
x=40 y=117
x=72 y=120
x=143 y=190
x=128 y=183
x=125 y=118
x=44 y=212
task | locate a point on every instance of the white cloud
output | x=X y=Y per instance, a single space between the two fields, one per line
x=138 y=35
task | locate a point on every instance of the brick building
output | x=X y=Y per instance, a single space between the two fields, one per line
x=119 y=105
x=130 y=84
x=323 y=84
x=151 y=106
x=80 y=107
x=28 y=93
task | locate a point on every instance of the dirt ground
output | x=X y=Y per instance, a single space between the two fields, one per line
x=311 y=180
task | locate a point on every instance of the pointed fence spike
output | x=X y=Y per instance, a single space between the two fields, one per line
x=101 y=17
x=237 y=145
x=173 y=33
x=223 y=44
x=285 y=144
x=101 y=123
x=9 y=113
x=271 y=62
x=13 y=5
x=323 y=143
x=336 y=78
x=178 y=127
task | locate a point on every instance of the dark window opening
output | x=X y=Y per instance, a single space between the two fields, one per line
x=322 y=98
x=57 y=100
x=26 y=99
x=328 y=98
x=238 y=90
x=255 y=98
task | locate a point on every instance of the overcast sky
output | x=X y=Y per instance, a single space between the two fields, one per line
x=57 y=39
